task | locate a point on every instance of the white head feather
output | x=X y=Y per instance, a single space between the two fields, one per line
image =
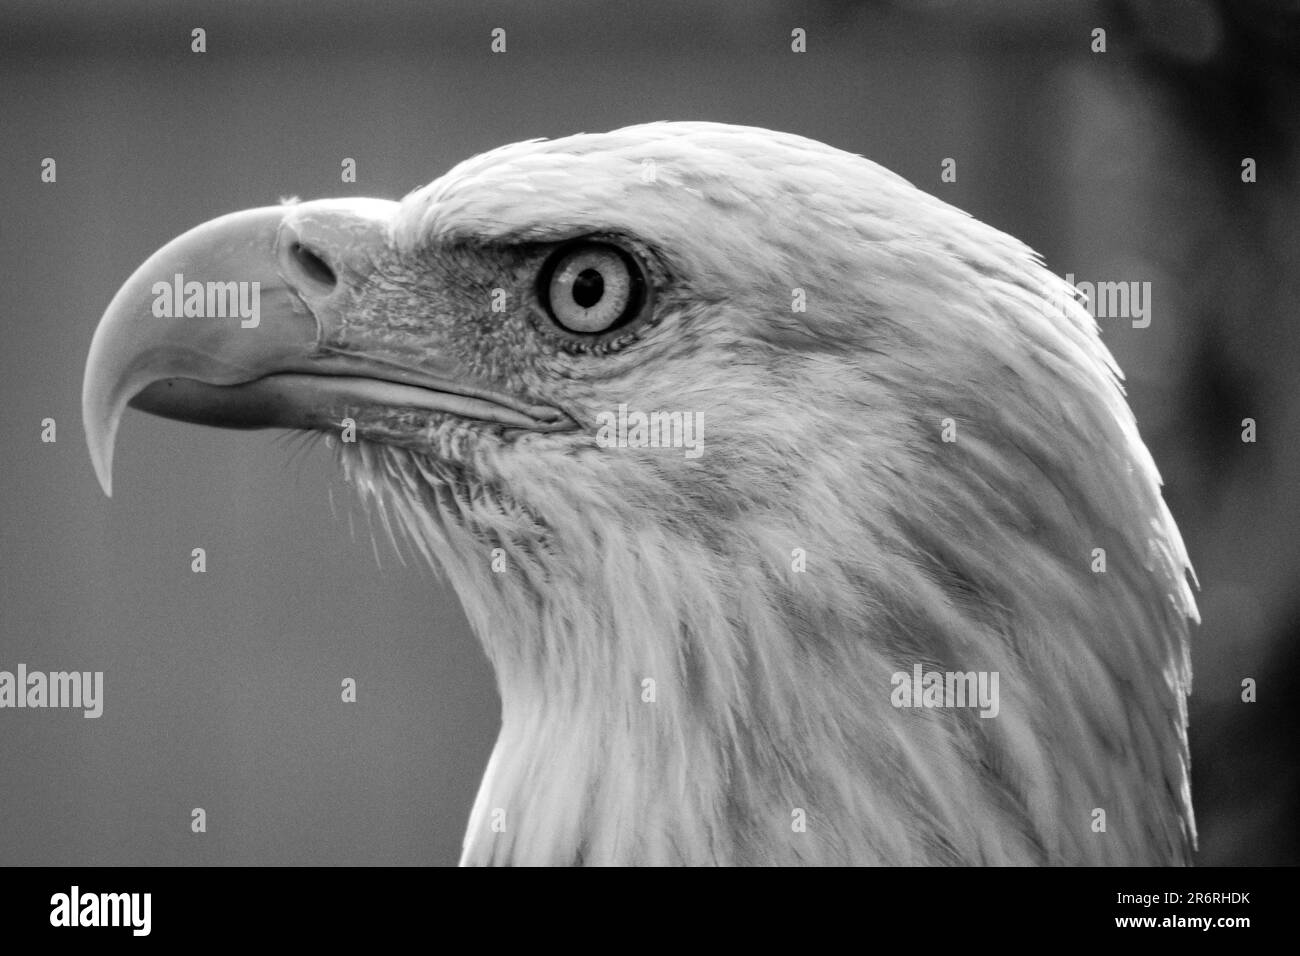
x=773 y=687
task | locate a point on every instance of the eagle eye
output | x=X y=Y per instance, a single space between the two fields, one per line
x=592 y=287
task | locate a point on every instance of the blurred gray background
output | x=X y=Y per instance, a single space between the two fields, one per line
x=223 y=688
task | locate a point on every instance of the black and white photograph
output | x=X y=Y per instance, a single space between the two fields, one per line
x=674 y=435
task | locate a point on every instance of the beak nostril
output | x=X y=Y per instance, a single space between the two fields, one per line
x=309 y=264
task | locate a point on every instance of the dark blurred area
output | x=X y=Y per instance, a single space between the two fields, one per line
x=222 y=689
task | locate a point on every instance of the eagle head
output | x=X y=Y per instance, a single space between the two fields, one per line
x=722 y=437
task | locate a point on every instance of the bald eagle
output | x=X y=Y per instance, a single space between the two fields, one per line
x=891 y=449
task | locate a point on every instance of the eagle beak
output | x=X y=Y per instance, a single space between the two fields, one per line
x=237 y=322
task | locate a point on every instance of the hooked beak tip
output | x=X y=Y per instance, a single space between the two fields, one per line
x=99 y=441
x=104 y=472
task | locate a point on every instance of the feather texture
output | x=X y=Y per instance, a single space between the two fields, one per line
x=823 y=433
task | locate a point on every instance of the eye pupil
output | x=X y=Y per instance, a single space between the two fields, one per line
x=588 y=287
